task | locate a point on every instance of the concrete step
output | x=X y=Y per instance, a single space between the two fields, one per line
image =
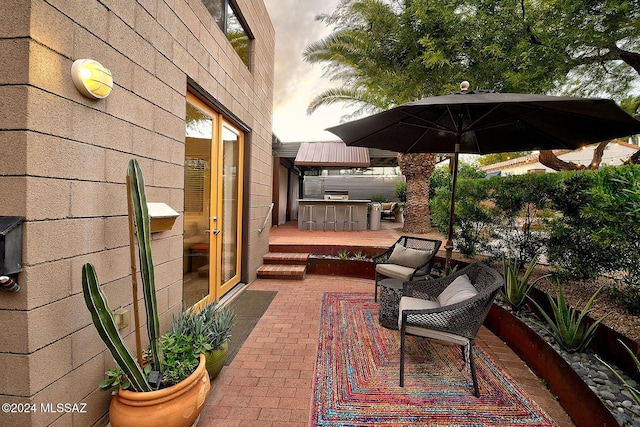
x=286 y=258
x=283 y=272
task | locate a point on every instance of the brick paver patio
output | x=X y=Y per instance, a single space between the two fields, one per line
x=270 y=381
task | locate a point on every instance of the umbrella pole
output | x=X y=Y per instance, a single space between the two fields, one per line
x=449 y=244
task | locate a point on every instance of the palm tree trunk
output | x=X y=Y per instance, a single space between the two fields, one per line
x=417 y=168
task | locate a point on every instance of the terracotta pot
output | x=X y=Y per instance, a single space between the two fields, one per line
x=177 y=406
x=216 y=359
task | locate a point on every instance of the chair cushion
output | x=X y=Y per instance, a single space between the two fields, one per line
x=408 y=257
x=397 y=271
x=459 y=290
x=410 y=303
x=437 y=335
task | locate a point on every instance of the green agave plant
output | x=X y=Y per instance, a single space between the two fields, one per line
x=569 y=326
x=223 y=321
x=515 y=290
x=211 y=321
x=635 y=392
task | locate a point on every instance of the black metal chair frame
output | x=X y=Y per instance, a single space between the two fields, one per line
x=412 y=243
x=463 y=319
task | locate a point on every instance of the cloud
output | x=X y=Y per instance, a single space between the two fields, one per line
x=297 y=82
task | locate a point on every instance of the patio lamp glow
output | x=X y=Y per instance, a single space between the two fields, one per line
x=91 y=78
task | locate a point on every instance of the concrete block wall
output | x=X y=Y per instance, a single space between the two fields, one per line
x=63 y=161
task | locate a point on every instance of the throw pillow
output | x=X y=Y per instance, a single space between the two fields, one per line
x=407 y=257
x=459 y=290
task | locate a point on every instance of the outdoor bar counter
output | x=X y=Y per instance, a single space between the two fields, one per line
x=341 y=206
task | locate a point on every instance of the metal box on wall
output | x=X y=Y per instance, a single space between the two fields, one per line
x=161 y=216
x=10 y=244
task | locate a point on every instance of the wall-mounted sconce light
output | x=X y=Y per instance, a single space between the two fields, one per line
x=91 y=78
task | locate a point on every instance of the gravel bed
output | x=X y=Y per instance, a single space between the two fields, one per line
x=596 y=375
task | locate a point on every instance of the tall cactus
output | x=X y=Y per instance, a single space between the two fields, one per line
x=97 y=303
x=108 y=331
x=143 y=233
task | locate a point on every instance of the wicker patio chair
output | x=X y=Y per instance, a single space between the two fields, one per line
x=409 y=258
x=454 y=313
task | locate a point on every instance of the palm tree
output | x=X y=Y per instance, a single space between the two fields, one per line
x=376 y=52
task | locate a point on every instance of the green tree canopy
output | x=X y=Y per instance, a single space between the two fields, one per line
x=490 y=159
x=387 y=52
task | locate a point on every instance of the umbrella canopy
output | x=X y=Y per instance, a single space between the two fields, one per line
x=490 y=122
x=480 y=122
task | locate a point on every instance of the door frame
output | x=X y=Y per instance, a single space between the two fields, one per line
x=216 y=289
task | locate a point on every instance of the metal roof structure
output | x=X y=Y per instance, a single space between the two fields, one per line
x=332 y=154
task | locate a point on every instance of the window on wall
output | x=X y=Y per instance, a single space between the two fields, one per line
x=231 y=24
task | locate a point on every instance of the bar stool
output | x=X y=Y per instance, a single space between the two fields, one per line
x=330 y=209
x=307 y=217
x=350 y=217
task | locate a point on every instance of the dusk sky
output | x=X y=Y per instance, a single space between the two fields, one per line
x=296 y=81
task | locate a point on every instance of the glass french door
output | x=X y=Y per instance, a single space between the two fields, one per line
x=212 y=203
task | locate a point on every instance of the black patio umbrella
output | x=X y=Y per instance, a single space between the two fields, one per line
x=482 y=122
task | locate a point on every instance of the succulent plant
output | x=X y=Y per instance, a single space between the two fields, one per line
x=515 y=290
x=570 y=327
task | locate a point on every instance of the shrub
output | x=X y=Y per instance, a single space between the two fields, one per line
x=472 y=220
x=616 y=213
x=439 y=205
x=440 y=178
x=519 y=201
x=401 y=191
x=571 y=247
x=586 y=221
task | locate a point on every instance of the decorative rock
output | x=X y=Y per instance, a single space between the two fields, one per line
x=599 y=379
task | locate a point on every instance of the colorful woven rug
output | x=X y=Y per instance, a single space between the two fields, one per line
x=356 y=379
